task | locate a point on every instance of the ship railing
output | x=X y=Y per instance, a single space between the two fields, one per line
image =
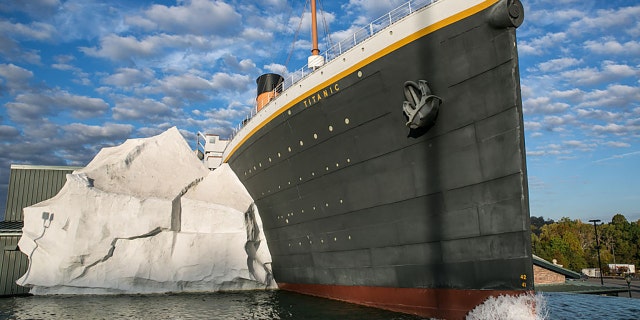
x=343 y=46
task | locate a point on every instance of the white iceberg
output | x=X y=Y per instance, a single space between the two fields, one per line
x=146 y=217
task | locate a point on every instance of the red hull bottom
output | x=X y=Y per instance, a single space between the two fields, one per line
x=433 y=303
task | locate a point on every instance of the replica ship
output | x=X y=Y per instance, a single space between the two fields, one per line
x=391 y=171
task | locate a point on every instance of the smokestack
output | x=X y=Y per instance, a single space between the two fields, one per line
x=269 y=86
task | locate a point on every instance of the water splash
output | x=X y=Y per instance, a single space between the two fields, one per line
x=527 y=306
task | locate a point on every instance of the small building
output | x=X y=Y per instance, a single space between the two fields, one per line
x=552 y=277
x=213 y=149
x=28 y=185
x=211 y=153
x=622 y=269
x=13 y=263
x=591 y=272
x=545 y=272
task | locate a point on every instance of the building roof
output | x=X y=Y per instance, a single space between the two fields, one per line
x=30 y=184
x=11 y=226
x=576 y=286
x=554 y=267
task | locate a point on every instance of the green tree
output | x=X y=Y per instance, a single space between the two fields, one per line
x=573 y=244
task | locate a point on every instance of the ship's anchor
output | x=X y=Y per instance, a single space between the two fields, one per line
x=420 y=106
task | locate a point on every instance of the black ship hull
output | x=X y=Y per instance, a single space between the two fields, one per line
x=356 y=206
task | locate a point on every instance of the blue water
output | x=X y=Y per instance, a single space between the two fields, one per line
x=268 y=305
x=563 y=306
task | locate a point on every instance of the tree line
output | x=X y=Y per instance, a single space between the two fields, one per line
x=573 y=242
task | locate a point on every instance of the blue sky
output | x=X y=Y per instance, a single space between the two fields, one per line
x=79 y=75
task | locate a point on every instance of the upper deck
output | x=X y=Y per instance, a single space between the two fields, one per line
x=393 y=30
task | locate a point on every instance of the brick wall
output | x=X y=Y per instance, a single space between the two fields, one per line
x=546 y=276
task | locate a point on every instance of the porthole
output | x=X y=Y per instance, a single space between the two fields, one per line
x=301 y=143
x=330 y=128
x=359 y=74
x=315 y=136
x=346 y=120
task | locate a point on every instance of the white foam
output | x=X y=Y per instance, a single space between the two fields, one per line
x=522 y=307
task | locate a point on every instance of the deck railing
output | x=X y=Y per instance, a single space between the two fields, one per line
x=343 y=46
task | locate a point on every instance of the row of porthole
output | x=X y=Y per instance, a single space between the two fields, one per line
x=313 y=174
x=313 y=208
x=289 y=149
x=335 y=239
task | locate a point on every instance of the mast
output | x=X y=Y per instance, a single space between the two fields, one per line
x=314 y=61
x=314 y=29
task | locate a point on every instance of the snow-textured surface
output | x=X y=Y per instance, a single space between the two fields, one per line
x=146 y=217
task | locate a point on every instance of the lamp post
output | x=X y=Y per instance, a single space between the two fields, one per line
x=598 y=248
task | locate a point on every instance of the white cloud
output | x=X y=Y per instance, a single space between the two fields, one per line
x=543 y=105
x=257 y=34
x=609 y=72
x=558 y=64
x=230 y=81
x=200 y=17
x=368 y=10
x=608 y=19
x=613 y=96
x=599 y=114
x=36 y=30
x=17 y=78
x=540 y=45
x=617 y=144
x=277 y=68
x=32 y=107
x=34 y=8
x=244 y=65
x=613 y=47
x=8 y=132
x=611 y=128
x=128 y=77
x=134 y=108
x=83 y=132
x=532 y=125
x=557 y=123
x=579 y=144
